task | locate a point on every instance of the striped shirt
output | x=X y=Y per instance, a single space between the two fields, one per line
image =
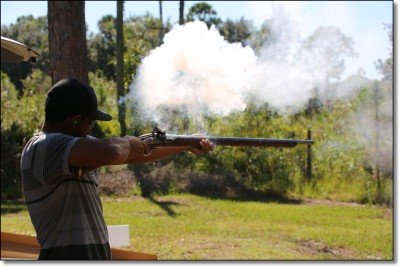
x=65 y=209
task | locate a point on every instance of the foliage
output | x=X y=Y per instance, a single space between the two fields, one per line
x=261 y=37
x=102 y=48
x=204 y=12
x=340 y=170
x=107 y=101
x=12 y=140
x=326 y=48
x=386 y=67
x=144 y=31
x=20 y=118
x=237 y=31
x=26 y=110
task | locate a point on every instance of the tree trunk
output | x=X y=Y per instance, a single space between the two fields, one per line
x=67 y=40
x=161 y=30
x=181 y=12
x=120 y=66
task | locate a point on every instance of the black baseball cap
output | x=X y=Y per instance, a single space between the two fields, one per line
x=71 y=97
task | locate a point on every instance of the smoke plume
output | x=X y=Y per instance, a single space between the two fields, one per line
x=195 y=70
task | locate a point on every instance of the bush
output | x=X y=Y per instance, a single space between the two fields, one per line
x=107 y=101
x=12 y=143
x=20 y=118
x=116 y=181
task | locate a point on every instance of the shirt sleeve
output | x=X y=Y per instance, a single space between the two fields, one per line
x=52 y=165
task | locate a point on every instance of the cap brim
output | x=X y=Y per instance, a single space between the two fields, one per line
x=100 y=116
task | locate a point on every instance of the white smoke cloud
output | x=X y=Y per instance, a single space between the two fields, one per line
x=196 y=67
x=197 y=70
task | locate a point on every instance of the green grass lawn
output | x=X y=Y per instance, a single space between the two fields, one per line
x=194 y=227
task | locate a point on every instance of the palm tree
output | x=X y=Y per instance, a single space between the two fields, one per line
x=120 y=66
x=181 y=12
x=161 y=30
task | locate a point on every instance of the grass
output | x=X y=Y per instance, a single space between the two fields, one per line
x=191 y=227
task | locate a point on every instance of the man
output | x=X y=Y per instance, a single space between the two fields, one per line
x=59 y=173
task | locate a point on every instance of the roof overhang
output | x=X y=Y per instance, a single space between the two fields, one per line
x=15 y=52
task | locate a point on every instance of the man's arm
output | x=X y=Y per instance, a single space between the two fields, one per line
x=94 y=153
x=162 y=152
x=87 y=152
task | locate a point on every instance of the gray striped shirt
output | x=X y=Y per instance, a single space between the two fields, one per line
x=65 y=209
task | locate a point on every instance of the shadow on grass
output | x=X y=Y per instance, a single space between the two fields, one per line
x=252 y=195
x=165 y=205
x=245 y=195
x=12 y=206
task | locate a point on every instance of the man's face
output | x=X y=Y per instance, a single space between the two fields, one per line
x=83 y=126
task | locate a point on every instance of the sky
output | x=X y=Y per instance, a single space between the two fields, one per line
x=361 y=20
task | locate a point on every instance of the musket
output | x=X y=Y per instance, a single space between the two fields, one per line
x=158 y=138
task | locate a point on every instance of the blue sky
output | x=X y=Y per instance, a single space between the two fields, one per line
x=360 y=20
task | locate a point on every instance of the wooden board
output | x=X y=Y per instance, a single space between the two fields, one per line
x=25 y=247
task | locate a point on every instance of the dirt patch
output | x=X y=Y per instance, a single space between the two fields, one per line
x=387 y=211
x=330 y=202
x=388 y=214
x=313 y=247
x=319 y=248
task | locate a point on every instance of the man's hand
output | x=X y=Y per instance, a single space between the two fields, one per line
x=206 y=146
x=138 y=149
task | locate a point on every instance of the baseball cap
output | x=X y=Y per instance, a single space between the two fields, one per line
x=71 y=97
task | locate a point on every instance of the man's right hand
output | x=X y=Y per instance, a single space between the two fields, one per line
x=138 y=149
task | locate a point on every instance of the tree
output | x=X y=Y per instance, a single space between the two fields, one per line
x=120 y=66
x=181 y=12
x=236 y=31
x=102 y=48
x=386 y=67
x=259 y=38
x=323 y=55
x=144 y=30
x=67 y=40
x=325 y=51
x=382 y=107
x=203 y=12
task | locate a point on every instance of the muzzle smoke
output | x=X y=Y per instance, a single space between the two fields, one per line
x=197 y=72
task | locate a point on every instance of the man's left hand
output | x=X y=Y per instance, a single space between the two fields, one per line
x=206 y=146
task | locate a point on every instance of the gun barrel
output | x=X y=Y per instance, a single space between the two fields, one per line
x=193 y=141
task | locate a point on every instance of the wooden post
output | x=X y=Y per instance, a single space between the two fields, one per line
x=309 y=157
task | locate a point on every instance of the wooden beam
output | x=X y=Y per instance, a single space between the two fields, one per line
x=26 y=247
